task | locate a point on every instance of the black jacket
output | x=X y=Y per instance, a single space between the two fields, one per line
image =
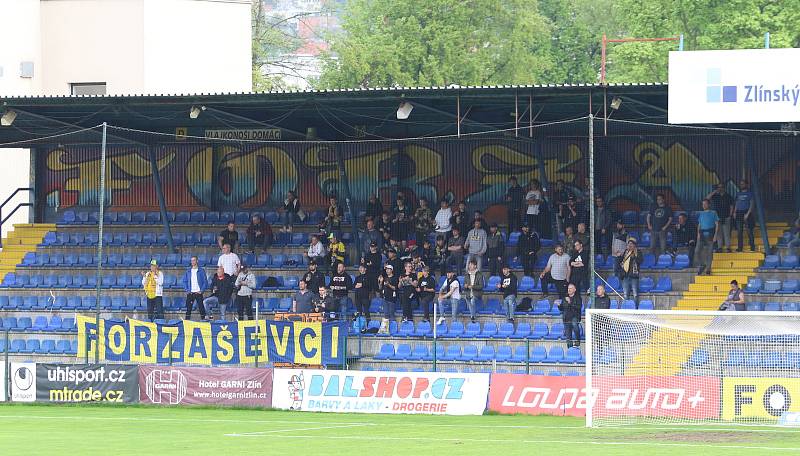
x=222 y=288
x=314 y=280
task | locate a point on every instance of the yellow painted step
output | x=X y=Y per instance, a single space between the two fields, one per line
x=735 y=256
x=709 y=287
x=735 y=264
x=714 y=278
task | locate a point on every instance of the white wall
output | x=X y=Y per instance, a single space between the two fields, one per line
x=197 y=46
x=20 y=25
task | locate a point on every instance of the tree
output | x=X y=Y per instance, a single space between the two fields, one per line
x=439 y=42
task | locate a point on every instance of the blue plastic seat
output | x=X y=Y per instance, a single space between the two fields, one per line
x=555 y=355
x=771 y=286
x=790 y=286
x=469 y=353
x=423 y=329
x=386 y=352
x=538 y=354
x=556 y=332
x=541 y=307
x=456 y=329
x=406 y=329
x=472 y=329
x=754 y=284
x=573 y=355
x=646 y=304
x=527 y=284
x=664 y=261
x=505 y=331
x=754 y=306
x=664 y=285
x=771 y=262
x=646 y=284
x=452 y=353
x=419 y=353
x=540 y=331
x=489 y=330
x=520 y=354
x=39 y=324
x=789 y=262
x=487 y=353
x=403 y=352
x=503 y=354
x=789 y=307
x=522 y=331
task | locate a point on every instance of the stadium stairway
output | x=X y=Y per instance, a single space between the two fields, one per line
x=23 y=239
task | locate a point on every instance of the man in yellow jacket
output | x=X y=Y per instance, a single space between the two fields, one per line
x=153 y=284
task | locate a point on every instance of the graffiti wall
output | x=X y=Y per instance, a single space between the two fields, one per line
x=629 y=171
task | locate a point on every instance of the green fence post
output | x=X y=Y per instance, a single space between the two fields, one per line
x=527 y=356
x=434 y=354
x=170 y=349
x=7 y=377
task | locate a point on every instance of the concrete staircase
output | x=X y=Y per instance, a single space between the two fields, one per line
x=23 y=239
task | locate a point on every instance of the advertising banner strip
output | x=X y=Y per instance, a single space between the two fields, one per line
x=380 y=392
x=205 y=386
x=3 y=382
x=619 y=396
x=23 y=382
x=87 y=383
x=212 y=343
x=763 y=398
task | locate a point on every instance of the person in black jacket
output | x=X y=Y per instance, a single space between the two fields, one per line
x=363 y=287
x=388 y=285
x=514 y=197
x=601 y=299
x=527 y=248
x=407 y=286
x=495 y=250
x=374 y=208
x=221 y=291
x=508 y=286
x=313 y=277
x=571 y=313
x=323 y=303
x=426 y=290
x=629 y=266
x=372 y=261
x=341 y=284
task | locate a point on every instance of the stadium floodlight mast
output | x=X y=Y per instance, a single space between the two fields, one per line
x=672 y=367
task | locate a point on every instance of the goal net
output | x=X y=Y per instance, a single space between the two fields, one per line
x=673 y=367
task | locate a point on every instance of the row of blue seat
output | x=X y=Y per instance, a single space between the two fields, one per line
x=147 y=239
x=120 y=303
x=72 y=217
x=40 y=347
x=128 y=260
x=489 y=330
x=758 y=285
x=40 y=323
x=481 y=370
x=471 y=353
x=787 y=262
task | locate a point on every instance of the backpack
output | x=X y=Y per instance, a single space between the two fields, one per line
x=524 y=305
x=271 y=282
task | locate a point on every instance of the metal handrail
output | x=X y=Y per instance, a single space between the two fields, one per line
x=19 y=205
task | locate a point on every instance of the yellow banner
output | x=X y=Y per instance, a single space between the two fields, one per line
x=763 y=398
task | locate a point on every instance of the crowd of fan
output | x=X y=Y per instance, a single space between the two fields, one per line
x=403 y=248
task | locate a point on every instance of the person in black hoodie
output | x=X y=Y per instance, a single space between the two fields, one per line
x=313 y=277
x=527 y=248
x=363 y=289
x=341 y=284
x=323 y=303
x=601 y=299
x=514 y=197
x=372 y=261
x=426 y=290
x=508 y=286
x=407 y=286
x=495 y=250
x=571 y=313
x=374 y=208
x=221 y=291
x=395 y=261
x=388 y=285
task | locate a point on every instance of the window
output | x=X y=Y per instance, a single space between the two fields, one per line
x=88 y=88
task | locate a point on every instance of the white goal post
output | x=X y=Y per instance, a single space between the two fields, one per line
x=690 y=367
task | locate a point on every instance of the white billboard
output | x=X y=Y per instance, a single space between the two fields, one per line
x=739 y=86
x=23 y=382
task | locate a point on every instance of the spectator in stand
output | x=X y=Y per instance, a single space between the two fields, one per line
x=707 y=230
x=460 y=219
x=423 y=221
x=659 y=220
x=332 y=223
x=427 y=252
x=440 y=253
x=475 y=245
x=372 y=261
x=601 y=299
x=341 y=284
x=571 y=314
x=303 y=298
x=229 y=261
x=743 y=207
x=794 y=239
x=722 y=204
x=363 y=287
x=556 y=272
x=393 y=259
x=528 y=247
x=495 y=250
x=323 y=303
x=291 y=211
x=735 y=300
x=370 y=235
x=618 y=244
x=572 y=214
x=336 y=251
x=406 y=287
x=513 y=199
x=228 y=236
x=153 y=283
x=313 y=277
x=387 y=284
x=388 y=243
x=384 y=226
x=442 y=219
x=426 y=288
x=533 y=212
x=449 y=293
x=401 y=216
x=194 y=282
x=603 y=221
x=582 y=235
x=221 y=292
x=245 y=282
x=259 y=234
x=629 y=264
x=685 y=236
x=560 y=196
x=455 y=250
x=477 y=216
x=579 y=267
x=315 y=252
x=374 y=208
x=508 y=286
x=569 y=239
x=474 y=283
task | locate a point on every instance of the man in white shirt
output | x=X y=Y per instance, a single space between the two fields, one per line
x=229 y=261
x=533 y=199
x=556 y=272
x=316 y=251
x=195 y=282
x=450 y=292
x=442 y=219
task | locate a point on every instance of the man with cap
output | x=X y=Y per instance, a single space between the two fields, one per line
x=245 y=282
x=449 y=293
x=495 y=249
x=153 y=283
x=629 y=266
x=314 y=277
x=336 y=251
x=341 y=284
x=455 y=250
x=394 y=260
x=387 y=284
x=426 y=288
x=363 y=286
x=527 y=248
x=372 y=260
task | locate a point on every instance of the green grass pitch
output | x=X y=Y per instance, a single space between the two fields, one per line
x=139 y=430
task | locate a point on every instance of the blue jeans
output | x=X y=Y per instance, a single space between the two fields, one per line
x=572 y=329
x=472 y=305
x=289 y=219
x=510 y=303
x=453 y=306
x=388 y=309
x=212 y=301
x=630 y=287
